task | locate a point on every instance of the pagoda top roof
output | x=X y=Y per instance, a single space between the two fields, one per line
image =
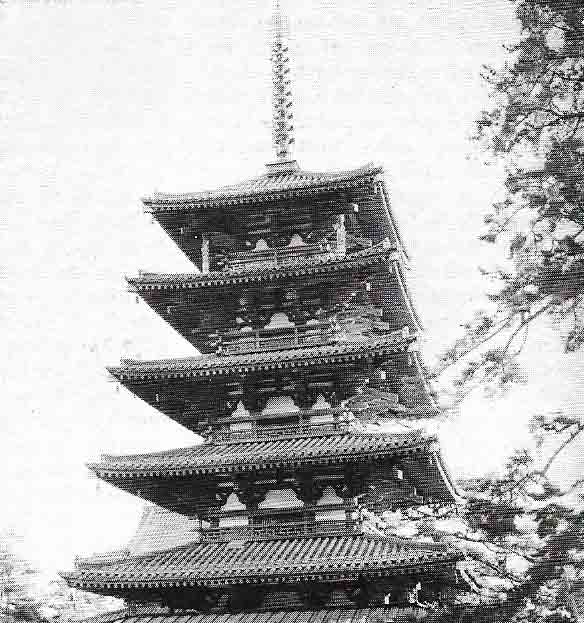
x=281 y=180
x=273 y=561
x=246 y=274
x=207 y=365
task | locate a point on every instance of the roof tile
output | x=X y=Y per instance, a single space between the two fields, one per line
x=204 y=364
x=266 y=185
x=146 y=281
x=157 y=614
x=232 y=455
x=286 y=560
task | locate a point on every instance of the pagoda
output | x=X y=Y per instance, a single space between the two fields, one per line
x=308 y=395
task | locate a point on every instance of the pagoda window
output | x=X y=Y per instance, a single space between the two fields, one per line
x=261 y=245
x=237 y=513
x=280 y=499
x=296 y=241
x=240 y=419
x=279 y=411
x=279 y=320
x=326 y=416
x=233 y=503
x=321 y=403
x=240 y=410
x=279 y=405
x=329 y=499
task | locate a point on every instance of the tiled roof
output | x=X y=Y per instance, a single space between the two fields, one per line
x=157 y=614
x=161 y=529
x=270 y=185
x=160 y=281
x=237 y=456
x=267 y=561
x=206 y=365
x=431 y=475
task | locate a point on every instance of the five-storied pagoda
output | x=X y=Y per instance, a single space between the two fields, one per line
x=310 y=363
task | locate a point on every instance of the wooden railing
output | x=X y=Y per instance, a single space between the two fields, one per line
x=279 y=431
x=283 y=256
x=318 y=334
x=285 y=529
x=339 y=419
x=238 y=342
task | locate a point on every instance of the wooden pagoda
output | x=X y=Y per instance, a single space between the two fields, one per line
x=309 y=366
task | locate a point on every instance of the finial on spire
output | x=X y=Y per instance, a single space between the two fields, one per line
x=282 y=128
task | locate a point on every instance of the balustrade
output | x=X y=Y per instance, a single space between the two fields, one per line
x=330 y=420
x=282 y=256
x=284 y=529
x=238 y=342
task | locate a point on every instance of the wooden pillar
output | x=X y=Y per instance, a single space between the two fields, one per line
x=341 y=236
x=205 y=255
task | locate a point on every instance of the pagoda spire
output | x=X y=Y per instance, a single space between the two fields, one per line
x=282 y=128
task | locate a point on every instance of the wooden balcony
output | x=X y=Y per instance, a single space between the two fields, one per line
x=267 y=432
x=277 y=338
x=261 y=426
x=282 y=256
x=285 y=530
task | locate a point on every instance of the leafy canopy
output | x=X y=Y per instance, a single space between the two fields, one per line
x=536 y=127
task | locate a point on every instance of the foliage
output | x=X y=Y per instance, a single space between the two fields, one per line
x=535 y=126
x=520 y=526
x=525 y=529
x=28 y=594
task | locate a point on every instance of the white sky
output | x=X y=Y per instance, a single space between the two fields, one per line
x=103 y=102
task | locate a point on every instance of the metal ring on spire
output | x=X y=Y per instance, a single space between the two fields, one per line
x=282 y=116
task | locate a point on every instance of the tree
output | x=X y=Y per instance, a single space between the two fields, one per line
x=29 y=594
x=17 y=599
x=535 y=126
x=521 y=526
x=522 y=535
x=537 y=526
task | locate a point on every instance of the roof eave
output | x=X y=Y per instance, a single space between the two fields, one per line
x=100 y=469
x=188 y=201
x=130 y=369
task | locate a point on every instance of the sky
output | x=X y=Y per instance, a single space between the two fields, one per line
x=106 y=101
